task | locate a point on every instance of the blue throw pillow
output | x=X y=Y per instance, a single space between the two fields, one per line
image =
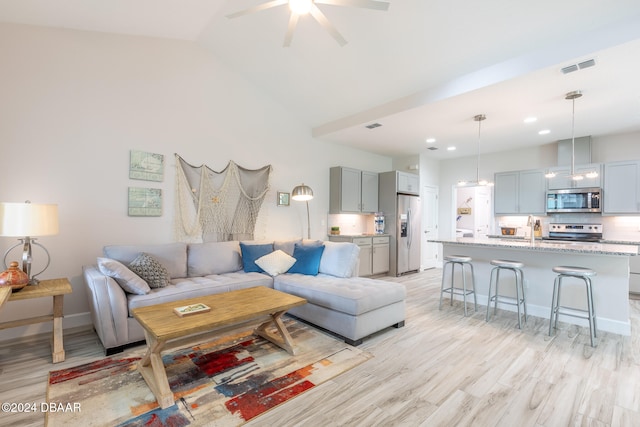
x=307 y=259
x=250 y=253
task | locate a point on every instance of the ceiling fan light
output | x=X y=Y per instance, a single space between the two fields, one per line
x=300 y=7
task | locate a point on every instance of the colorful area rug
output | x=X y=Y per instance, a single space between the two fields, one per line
x=223 y=383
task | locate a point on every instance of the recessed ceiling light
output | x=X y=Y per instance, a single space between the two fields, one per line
x=531 y=119
x=430 y=140
x=452 y=148
x=544 y=132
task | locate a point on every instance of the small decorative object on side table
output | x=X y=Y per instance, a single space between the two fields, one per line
x=13 y=277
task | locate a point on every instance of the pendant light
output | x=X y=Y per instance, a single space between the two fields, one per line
x=576 y=176
x=478 y=118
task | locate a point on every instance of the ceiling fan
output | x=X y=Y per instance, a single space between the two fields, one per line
x=303 y=7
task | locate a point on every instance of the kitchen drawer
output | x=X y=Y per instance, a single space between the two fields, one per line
x=381 y=240
x=362 y=241
x=634 y=283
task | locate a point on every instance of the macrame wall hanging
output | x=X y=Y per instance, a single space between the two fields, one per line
x=216 y=206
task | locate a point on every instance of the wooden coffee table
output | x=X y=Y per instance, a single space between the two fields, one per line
x=164 y=329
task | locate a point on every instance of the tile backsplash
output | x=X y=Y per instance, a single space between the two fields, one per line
x=614 y=227
x=351 y=224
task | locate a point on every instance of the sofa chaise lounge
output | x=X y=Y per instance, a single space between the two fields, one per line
x=337 y=300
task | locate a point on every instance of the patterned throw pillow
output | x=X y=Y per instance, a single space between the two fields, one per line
x=277 y=262
x=150 y=270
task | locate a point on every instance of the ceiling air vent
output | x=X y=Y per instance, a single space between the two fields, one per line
x=373 y=126
x=586 y=64
x=569 y=69
x=432 y=148
x=579 y=66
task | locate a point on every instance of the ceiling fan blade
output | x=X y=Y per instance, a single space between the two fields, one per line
x=367 y=4
x=322 y=20
x=258 y=8
x=293 y=21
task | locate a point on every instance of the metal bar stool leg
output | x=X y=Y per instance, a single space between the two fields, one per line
x=518 y=301
x=444 y=270
x=473 y=285
x=554 y=299
x=489 y=294
x=524 y=299
x=464 y=289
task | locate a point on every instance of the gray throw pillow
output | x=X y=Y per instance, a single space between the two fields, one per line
x=127 y=279
x=150 y=270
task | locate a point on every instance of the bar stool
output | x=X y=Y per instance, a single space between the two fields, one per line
x=580 y=273
x=519 y=300
x=462 y=261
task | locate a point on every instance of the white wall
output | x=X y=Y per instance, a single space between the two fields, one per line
x=73 y=105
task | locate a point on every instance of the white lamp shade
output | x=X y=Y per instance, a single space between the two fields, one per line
x=28 y=219
x=302 y=193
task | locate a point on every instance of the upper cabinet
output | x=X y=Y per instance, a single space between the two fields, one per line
x=408 y=183
x=353 y=191
x=621 y=192
x=563 y=177
x=520 y=192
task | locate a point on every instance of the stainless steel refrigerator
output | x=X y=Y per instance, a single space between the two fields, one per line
x=402 y=212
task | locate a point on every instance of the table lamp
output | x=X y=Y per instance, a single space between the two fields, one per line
x=26 y=220
x=303 y=193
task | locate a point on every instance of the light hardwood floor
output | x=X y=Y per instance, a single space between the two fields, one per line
x=441 y=369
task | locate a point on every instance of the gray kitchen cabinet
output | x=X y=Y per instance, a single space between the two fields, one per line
x=374 y=253
x=563 y=177
x=380 y=255
x=352 y=191
x=621 y=191
x=520 y=192
x=408 y=183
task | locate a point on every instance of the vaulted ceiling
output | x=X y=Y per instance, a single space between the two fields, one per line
x=421 y=69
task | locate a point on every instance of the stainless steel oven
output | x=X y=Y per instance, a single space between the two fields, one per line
x=574 y=200
x=575 y=232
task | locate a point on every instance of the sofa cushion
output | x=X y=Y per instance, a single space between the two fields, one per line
x=150 y=270
x=127 y=279
x=353 y=295
x=286 y=246
x=339 y=259
x=307 y=259
x=204 y=259
x=173 y=256
x=277 y=262
x=251 y=252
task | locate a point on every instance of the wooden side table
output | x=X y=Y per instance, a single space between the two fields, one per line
x=55 y=288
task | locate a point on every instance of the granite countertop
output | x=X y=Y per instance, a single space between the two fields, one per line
x=545 y=245
x=360 y=235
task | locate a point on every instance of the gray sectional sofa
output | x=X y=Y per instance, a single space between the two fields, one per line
x=337 y=300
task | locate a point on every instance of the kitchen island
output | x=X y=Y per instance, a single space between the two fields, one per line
x=610 y=286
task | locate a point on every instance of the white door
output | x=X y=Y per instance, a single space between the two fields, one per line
x=482 y=212
x=430 y=226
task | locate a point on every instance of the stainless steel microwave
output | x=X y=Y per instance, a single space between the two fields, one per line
x=574 y=200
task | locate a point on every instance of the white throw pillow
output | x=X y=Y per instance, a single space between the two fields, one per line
x=127 y=279
x=277 y=262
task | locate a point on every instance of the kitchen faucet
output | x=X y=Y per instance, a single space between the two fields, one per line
x=531 y=223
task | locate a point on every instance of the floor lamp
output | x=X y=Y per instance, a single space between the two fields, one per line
x=26 y=220
x=303 y=193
